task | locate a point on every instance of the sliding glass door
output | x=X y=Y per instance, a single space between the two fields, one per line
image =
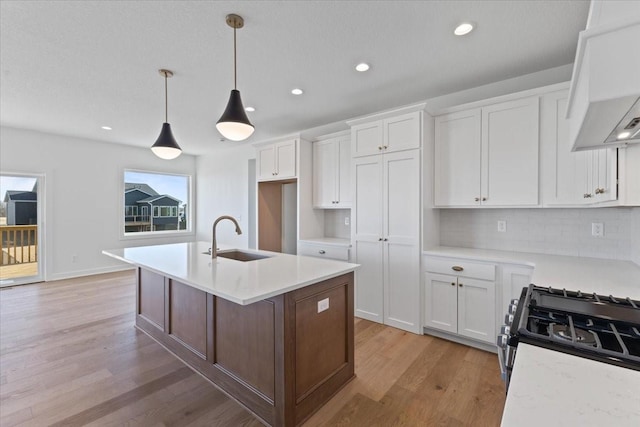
x=21 y=232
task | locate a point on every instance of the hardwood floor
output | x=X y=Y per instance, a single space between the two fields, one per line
x=70 y=356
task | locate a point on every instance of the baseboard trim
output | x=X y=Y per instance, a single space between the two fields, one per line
x=89 y=272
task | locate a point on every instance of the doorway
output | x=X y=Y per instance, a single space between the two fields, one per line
x=21 y=231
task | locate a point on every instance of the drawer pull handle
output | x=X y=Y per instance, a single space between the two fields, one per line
x=453 y=284
x=457 y=268
x=460 y=285
x=321 y=252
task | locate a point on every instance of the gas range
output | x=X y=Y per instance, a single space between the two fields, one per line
x=599 y=327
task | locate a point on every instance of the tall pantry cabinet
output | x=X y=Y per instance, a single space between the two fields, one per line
x=386 y=182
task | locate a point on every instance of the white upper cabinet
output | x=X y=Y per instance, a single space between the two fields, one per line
x=277 y=161
x=457 y=158
x=488 y=156
x=572 y=178
x=332 y=173
x=402 y=132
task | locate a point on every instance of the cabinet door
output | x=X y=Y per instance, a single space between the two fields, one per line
x=344 y=173
x=514 y=278
x=366 y=231
x=402 y=132
x=285 y=159
x=604 y=175
x=441 y=302
x=510 y=146
x=266 y=163
x=476 y=309
x=565 y=172
x=324 y=173
x=401 y=237
x=457 y=159
x=366 y=139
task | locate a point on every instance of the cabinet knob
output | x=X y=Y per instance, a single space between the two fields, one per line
x=385 y=147
x=379 y=147
x=477 y=199
x=484 y=199
x=321 y=252
x=385 y=239
x=599 y=190
x=453 y=284
x=460 y=285
x=380 y=239
x=457 y=268
x=587 y=196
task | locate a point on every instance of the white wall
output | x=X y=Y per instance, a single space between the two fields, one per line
x=83 y=180
x=223 y=189
x=549 y=231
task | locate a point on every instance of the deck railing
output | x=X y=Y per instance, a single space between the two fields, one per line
x=18 y=244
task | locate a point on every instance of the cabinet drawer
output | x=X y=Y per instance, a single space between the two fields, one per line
x=324 y=251
x=472 y=269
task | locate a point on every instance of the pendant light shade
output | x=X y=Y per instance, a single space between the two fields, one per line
x=166 y=146
x=234 y=123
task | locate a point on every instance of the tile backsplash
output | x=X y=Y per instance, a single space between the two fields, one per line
x=549 y=231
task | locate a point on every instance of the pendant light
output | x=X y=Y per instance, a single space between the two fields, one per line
x=166 y=146
x=234 y=123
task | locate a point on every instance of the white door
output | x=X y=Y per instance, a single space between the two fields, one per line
x=457 y=159
x=402 y=132
x=510 y=146
x=476 y=309
x=266 y=163
x=286 y=159
x=344 y=173
x=441 y=302
x=366 y=139
x=367 y=237
x=21 y=229
x=324 y=173
x=401 y=237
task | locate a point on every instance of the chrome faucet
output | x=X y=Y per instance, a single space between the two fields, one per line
x=214 y=248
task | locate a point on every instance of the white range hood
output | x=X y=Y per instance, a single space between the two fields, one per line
x=604 y=99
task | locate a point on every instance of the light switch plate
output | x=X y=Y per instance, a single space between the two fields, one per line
x=502 y=226
x=323 y=305
x=346 y=220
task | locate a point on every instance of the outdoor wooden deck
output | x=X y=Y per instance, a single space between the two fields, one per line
x=14 y=271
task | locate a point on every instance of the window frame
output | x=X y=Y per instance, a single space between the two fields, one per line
x=190 y=229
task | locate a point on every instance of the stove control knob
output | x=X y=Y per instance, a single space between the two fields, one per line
x=502 y=341
x=512 y=308
x=508 y=319
x=505 y=330
x=515 y=301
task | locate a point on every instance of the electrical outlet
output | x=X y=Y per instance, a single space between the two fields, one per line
x=597 y=229
x=502 y=226
x=323 y=305
x=346 y=220
x=74 y=258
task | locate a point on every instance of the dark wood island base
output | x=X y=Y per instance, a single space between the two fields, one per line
x=282 y=357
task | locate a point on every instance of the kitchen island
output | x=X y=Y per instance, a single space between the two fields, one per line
x=275 y=332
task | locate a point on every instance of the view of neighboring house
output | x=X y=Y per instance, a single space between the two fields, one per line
x=146 y=210
x=21 y=207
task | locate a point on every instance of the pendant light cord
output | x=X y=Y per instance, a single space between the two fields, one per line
x=166 y=102
x=235 y=66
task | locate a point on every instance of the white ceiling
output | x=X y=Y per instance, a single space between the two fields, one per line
x=70 y=67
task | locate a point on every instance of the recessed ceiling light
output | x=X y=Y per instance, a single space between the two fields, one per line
x=624 y=135
x=250 y=109
x=362 y=67
x=106 y=128
x=297 y=91
x=462 y=29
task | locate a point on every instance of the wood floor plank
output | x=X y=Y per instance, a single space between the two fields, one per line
x=70 y=355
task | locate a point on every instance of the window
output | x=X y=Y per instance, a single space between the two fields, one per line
x=166 y=196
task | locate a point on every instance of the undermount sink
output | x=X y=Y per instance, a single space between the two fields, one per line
x=240 y=255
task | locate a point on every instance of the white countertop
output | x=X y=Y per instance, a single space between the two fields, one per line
x=603 y=276
x=240 y=282
x=550 y=388
x=332 y=241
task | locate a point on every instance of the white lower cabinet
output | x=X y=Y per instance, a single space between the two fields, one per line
x=320 y=250
x=460 y=297
x=461 y=305
x=514 y=278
